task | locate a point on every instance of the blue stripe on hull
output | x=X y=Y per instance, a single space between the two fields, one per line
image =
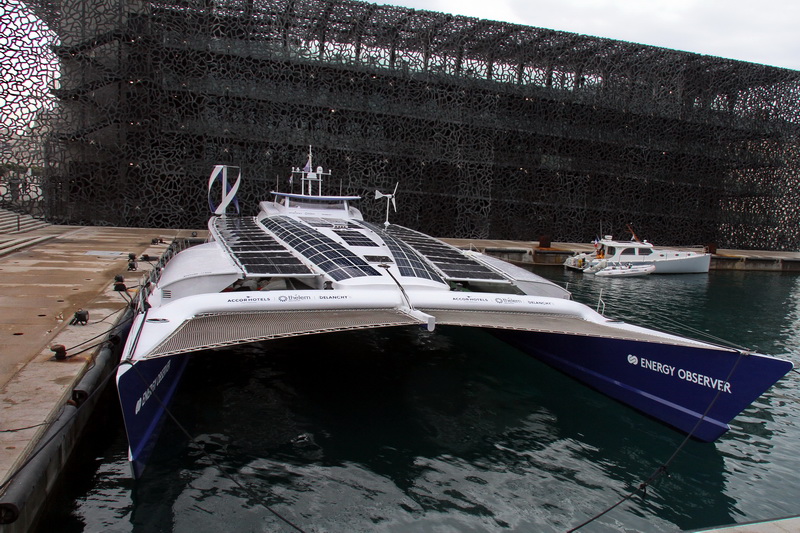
x=145 y=390
x=675 y=384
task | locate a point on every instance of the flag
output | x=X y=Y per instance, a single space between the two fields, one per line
x=307 y=168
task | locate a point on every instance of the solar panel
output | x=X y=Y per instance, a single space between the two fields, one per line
x=257 y=251
x=333 y=258
x=318 y=222
x=355 y=238
x=454 y=264
x=324 y=222
x=409 y=262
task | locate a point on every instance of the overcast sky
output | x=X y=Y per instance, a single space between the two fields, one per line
x=759 y=31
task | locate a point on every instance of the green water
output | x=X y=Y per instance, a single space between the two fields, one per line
x=403 y=430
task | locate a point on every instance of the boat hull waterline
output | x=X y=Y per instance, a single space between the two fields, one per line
x=674 y=384
x=145 y=392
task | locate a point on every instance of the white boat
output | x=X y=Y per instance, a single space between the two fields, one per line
x=637 y=252
x=620 y=270
x=308 y=264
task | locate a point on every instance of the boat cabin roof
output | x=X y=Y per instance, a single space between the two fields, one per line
x=628 y=244
x=307 y=197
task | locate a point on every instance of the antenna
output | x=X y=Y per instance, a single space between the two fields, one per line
x=389 y=197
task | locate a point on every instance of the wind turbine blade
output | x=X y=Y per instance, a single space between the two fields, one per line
x=394 y=204
x=395 y=188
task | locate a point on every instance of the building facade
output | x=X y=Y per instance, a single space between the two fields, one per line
x=492 y=130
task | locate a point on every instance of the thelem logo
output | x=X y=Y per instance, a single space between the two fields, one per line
x=293 y=298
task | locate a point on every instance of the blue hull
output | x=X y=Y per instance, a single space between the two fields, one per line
x=145 y=391
x=674 y=384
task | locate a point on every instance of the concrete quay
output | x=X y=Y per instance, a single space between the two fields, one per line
x=48 y=273
x=529 y=252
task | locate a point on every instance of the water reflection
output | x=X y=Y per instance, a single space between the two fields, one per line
x=392 y=430
x=451 y=429
x=790 y=331
x=757 y=310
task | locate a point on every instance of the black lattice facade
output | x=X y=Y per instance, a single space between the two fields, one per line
x=492 y=130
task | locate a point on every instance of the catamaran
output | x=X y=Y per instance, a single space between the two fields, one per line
x=309 y=264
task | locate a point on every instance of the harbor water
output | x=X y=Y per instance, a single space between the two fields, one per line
x=405 y=430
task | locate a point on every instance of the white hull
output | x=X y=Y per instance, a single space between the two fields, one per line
x=625 y=271
x=695 y=264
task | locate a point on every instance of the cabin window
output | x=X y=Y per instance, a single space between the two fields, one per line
x=645 y=251
x=629 y=251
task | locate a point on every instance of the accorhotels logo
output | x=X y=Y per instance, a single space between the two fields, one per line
x=469 y=298
x=248 y=299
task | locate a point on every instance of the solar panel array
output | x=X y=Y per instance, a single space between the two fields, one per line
x=454 y=264
x=333 y=258
x=257 y=251
x=408 y=261
x=321 y=222
x=355 y=238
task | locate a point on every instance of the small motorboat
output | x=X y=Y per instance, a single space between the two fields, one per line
x=636 y=252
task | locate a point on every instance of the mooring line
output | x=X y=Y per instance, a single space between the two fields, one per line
x=107 y=332
x=704 y=335
x=42 y=445
x=662 y=469
x=213 y=461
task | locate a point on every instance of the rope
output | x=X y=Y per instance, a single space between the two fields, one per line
x=42 y=445
x=662 y=469
x=22 y=428
x=219 y=467
x=108 y=332
x=695 y=331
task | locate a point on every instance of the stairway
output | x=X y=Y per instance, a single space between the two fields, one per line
x=13 y=226
x=11 y=222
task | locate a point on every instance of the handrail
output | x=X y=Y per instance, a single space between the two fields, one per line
x=601 y=303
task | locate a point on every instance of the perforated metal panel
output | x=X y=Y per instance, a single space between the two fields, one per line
x=228 y=329
x=492 y=129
